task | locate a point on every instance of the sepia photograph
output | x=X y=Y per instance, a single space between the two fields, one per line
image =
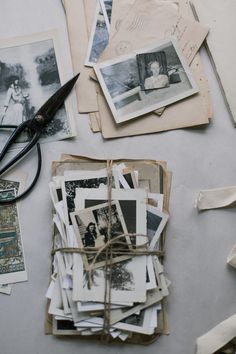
x=91 y=229
x=99 y=37
x=30 y=72
x=148 y=79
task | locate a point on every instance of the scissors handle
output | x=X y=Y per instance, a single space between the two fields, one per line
x=22 y=195
x=11 y=141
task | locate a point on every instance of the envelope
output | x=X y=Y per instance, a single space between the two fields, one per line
x=148 y=21
x=78 y=35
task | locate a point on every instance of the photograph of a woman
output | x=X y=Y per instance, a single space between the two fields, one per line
x=156 y=80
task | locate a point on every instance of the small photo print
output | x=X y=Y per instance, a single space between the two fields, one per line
x=91 y=227
x=99 y=37
x=148 y=79
x=107 y=10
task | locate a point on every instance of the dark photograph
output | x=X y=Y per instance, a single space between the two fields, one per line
x=70 y=187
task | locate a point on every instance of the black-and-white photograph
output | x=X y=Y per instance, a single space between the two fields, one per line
x=71 y=184
x=139 y=322
x=29 y=75
x=122 y=279
x=91 y=228
x=99 y=37
x=156 y=221
x=146 y=80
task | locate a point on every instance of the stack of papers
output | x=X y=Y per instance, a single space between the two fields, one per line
x=97 y=290
x=139 y=63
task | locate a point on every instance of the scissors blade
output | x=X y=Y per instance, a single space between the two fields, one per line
x=46 y=113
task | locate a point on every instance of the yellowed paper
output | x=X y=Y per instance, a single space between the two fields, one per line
x=217 y=337
x=151 y=20
x=89 y=8
x=78 y=34
x=216 y=198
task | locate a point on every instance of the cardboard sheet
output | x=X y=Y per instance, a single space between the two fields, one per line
x=78 y=35
x=220 y=17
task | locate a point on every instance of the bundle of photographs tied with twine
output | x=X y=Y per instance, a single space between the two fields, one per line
x=139 y=63
x=108 y=280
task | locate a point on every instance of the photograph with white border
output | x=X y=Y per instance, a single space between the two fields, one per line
x=121 y=80
x=99 y=36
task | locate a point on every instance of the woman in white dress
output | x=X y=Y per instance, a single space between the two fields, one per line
x=16 y=113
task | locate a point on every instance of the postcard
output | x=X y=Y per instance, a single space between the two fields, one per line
x=12 y=264
x=31 y=71
x=147 y=79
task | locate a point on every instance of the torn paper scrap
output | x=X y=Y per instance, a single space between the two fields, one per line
x=217 y=337
x=231 y=260
x=216 y=198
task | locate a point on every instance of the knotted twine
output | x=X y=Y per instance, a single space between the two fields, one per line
x=109 y=251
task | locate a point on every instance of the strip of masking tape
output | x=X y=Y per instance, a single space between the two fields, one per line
x=231 y=259
x=217 y=337
x=216 y=198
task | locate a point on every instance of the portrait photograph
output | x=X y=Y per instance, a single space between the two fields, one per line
x=30 y=72
x=146 y=80
x=91 y=229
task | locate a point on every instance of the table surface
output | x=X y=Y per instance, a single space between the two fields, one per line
x=203 y=286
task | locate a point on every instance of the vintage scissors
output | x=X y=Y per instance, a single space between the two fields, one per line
x=34 y=128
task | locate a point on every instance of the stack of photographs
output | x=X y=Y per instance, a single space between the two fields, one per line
x=85 y=222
